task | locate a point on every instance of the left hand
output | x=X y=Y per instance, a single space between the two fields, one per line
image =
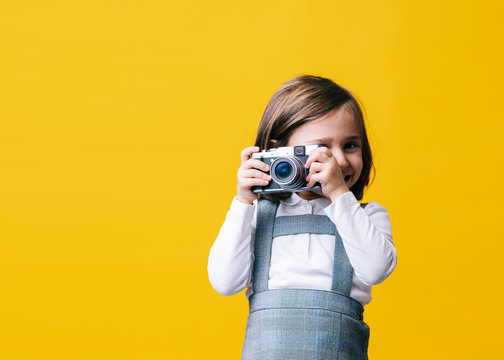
x=324 y=169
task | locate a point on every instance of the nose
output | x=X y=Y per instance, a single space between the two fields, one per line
x=341 y=158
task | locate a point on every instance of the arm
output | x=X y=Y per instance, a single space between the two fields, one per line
x=367 y=237
x=232 y=255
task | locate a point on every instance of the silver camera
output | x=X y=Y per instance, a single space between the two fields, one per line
x=287 y=169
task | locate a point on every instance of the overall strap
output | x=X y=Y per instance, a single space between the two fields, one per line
x=303 y=224
x=266 y=213
x=320 y=224
x=269 y=226
x=343 y=270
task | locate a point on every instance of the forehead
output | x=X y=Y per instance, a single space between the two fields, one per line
x=337 y=125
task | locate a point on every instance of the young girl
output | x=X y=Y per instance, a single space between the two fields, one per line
x=308 y=259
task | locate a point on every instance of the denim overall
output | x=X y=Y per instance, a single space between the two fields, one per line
x=302 y=323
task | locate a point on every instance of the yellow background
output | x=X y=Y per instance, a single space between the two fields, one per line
x=121 y=124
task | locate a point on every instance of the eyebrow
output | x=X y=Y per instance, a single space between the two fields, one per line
x=354 y=137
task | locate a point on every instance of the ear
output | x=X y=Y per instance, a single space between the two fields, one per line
x=272 y=143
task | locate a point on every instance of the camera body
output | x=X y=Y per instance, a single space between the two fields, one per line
x=287 y=169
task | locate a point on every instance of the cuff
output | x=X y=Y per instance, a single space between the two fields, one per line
x=341 y=205
x=242 y=210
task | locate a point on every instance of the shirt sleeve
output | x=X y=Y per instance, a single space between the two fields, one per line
x=232 y=254
x=367 y=237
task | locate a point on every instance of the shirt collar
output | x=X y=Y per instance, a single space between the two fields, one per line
x=294 y=199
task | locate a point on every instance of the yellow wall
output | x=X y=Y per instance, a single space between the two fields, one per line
x=121 y=124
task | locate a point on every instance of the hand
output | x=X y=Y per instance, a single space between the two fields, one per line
x=324 y=169
x=249 y=175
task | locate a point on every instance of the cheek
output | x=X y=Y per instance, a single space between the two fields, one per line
x=357 y=163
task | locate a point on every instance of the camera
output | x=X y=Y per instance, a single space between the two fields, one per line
x=287 y=169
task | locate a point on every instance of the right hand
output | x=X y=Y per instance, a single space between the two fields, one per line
x=249 y=175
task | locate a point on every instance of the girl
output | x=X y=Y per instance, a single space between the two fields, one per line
x=307 y=259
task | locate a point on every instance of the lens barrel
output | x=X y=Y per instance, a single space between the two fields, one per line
x=288 y=172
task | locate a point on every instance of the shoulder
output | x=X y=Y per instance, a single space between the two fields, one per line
x=374 y=208
x=378 y=215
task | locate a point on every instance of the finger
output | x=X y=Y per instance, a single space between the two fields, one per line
x=247 y=183
x=317 y=167
x=254 y=174
x=255 y=164
x=318 y=155
x=245 y=153
x=313 y=179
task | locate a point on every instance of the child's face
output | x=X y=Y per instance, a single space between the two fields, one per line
x=340 y=132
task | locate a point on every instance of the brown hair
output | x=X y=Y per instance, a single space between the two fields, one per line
x=304 y=99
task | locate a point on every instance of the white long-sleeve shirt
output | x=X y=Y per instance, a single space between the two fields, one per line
x=306 y=260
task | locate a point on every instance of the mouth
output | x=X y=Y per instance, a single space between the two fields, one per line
x=347 y=178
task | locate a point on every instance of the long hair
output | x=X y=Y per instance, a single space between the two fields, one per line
x=304 y=99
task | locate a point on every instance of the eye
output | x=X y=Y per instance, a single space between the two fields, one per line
x=351 y=145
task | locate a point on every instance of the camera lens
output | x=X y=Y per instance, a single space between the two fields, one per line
x=288 y=172
x=283 y=170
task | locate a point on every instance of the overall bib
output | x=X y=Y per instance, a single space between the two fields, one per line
x=302 y=323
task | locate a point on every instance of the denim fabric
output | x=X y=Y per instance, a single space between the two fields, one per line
x=302 y=323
